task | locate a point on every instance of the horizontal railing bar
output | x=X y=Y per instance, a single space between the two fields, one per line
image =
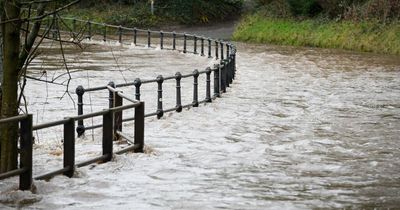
x=126 y=137
x=52 y=174
x=115 y=109
x=114 y=90
x=93 y=160
x=127 y=97
x=127 y=149
x=203 y=72
x=151 y=114
x=12 y=173
x=93 y=127
x=169 y=78
x=121 y=108
x=125 y=84
x=95 y=88
x=149 y=81
x=13 y=119
x=170 y=110
x=50 y=124
x=128 y=119
x=203 y=101
x=188 y=105
x=85 y=116
x=188 y=75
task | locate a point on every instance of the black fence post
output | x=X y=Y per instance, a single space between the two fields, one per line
x=134 y=36
x=120 y=34
x=137 y=83
x=139 y=127
x=104 y=33
x=81 y=127
x=178 y=77
x=108 y=135
x=161 y=40
x=234 y=64
x=111 y=95
x=222 y=76
x=230 y=75
x=69 y=147
x=216 y=49
x=217 y=82
x=118 y=114
x=184 y=43
x=194 y=44
x=228 y=54
x=174 y=40
x=195 y=88
x=222 y=50
x=25 y=178
x=209 y=48
x=148 y=38
x=208 y=84
x=89 y=36
x=160 y=111
x=202 y=46
x=226 y=75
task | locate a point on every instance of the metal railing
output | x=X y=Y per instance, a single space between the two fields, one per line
x=223 y=73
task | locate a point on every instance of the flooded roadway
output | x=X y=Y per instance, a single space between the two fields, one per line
x=299 y=128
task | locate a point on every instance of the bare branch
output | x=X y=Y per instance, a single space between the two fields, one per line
x=30 y=40
x=40 y=17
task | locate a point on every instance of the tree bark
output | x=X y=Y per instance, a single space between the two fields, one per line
x=9 y=106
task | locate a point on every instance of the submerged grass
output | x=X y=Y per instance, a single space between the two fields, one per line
x=360 y=36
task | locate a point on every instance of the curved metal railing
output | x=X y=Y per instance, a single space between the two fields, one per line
x=224 y=73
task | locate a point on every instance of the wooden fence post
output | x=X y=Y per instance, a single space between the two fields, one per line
x=108 y=135
x=139 y=127
x=25 y=178
x=69 y=147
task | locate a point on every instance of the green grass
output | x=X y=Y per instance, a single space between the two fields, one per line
x=363 y=36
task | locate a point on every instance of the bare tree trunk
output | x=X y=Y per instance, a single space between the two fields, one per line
x=9 y=106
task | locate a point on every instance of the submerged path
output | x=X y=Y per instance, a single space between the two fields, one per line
x=300 y=128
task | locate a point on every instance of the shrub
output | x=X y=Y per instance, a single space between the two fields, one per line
x=195 y=11
x=307 y=8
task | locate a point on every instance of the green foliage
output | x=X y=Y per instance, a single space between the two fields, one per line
x=369 y=36
x=199 y=11
x=305 y=7
x=355 y=10
x=137 y=12
x=137 y=15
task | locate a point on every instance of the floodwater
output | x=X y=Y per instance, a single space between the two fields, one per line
x=299 y=128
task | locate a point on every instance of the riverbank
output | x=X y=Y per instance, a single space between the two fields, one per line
x=358 y=36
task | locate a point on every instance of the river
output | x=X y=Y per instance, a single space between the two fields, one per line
x=299 y=128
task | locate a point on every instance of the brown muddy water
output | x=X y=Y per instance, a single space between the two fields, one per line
x=300 y=128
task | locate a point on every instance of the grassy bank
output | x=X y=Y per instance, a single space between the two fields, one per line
x=360 y=36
